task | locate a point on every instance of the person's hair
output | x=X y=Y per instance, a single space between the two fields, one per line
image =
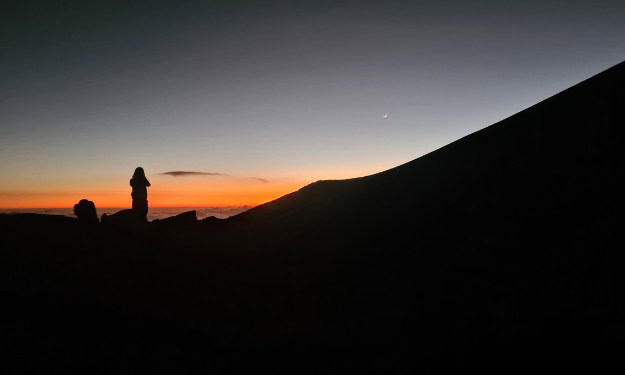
x=139 y=173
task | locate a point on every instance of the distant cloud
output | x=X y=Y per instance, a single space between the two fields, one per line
x=191 y=173
x=196 y=173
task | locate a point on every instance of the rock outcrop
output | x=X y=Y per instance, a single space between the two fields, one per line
x=127 y=217
x=85 y=211
x=180 y=220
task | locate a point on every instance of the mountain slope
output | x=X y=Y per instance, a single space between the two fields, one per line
x=507 y=236
x=561 y=154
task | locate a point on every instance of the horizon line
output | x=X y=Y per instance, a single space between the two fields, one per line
x=173 y=206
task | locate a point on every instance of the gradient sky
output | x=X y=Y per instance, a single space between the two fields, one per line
x=268 y=95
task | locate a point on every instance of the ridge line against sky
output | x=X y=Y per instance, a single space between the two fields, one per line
x=290 y=91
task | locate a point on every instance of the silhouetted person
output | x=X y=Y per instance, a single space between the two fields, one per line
x=140 y=193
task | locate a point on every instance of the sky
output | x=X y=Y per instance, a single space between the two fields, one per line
x=265 y=97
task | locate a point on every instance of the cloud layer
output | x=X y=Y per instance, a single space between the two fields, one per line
x=197 y=173
x=191 y=173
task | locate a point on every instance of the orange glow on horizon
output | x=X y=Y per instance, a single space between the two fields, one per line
x=162 y=194
x=113 y=191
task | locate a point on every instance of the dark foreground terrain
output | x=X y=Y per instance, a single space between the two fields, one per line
x=500 y=251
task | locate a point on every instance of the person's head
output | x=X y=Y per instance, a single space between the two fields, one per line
x=139 y=173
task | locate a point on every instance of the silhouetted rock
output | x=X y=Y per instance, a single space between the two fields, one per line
x=211 y=220
x=29 y=220
x=126 y=217
x=180 y=220
x=85 y=211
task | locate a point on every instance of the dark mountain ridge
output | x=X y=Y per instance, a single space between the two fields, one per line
x=568 y=141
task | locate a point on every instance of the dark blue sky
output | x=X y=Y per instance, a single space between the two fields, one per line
x=284 y=91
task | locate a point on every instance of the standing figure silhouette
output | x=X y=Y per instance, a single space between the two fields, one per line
x=140 y=193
